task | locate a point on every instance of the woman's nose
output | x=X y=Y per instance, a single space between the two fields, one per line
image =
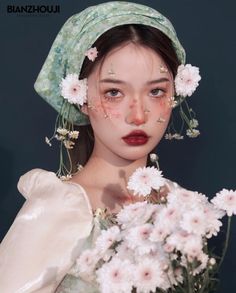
x=137 y=114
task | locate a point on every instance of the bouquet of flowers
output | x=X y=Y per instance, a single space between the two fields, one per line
x=158 y=246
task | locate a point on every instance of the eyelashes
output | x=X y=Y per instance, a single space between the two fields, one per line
x=157 y=93
x=115 y=94
x=112 y=94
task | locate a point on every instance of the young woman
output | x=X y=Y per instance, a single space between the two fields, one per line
x=113 y=66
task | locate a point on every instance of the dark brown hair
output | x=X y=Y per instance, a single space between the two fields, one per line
x=114 y=38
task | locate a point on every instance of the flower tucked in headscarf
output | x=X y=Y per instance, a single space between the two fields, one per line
x=92 y=53
x=186 y=80
x=73 y=89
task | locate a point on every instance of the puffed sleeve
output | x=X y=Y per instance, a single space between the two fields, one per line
x=46 y=236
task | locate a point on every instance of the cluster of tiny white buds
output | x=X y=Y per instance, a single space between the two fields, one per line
x=65 y=177
x=172 y=102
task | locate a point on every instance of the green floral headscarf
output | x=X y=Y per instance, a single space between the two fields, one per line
x=78 y=34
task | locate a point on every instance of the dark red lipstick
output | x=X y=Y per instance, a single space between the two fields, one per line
x=136 y=137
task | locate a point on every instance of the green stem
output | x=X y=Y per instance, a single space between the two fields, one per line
x=226 y=242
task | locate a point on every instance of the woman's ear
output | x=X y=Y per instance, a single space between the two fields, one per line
x=84 y=109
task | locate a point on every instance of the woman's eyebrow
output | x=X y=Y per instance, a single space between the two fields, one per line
x=118 y=81
x=163 y=79
x=111 y=80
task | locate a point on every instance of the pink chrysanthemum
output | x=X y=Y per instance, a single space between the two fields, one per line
x=115 y=276
x=186 y=80
x=74 y=90
x=143 y=180
x=226 y=200
x=148 y=276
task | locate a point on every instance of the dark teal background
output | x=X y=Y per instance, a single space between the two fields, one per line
x=206 y=29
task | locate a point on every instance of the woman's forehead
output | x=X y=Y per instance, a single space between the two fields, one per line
x=130 y=60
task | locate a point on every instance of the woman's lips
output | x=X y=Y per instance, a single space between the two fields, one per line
x=136 y=137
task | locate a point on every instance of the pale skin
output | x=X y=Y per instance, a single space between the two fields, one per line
x=132 y=98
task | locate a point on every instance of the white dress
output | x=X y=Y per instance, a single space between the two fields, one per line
x=53 y=227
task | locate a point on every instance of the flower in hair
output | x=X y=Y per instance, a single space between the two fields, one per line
x=186 y=80
x=73 y=89
x=92 y=53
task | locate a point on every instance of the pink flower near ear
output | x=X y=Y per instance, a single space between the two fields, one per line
x=73 y=89
x=187 y=80
x=92 y=53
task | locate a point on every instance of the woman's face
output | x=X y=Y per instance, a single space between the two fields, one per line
x=128 y=102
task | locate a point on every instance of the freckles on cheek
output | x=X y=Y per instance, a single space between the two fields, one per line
x=164 y=107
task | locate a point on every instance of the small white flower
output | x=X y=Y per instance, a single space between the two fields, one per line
x=59 y=137
x=62 y=131
x=79 y=167
x=226 y=200
x=143 y=180
x=65 y=178
x=74 y=90
x=170 y=136
x=212 y=261
x=186 y=80
x=192 y=133
x=73 y=134
x=153 y=157
x=68 y=144
x=92 y=53
x=193 y=123
x=172 y=102
x=47 y=140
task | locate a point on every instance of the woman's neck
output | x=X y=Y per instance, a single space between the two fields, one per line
x=105 y=179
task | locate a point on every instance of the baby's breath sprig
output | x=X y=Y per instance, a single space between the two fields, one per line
x=66 y=135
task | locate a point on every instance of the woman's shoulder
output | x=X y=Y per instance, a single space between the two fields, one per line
x=42 y=184
x=47 y=234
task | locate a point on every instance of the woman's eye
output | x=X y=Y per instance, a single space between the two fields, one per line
x=156 y=93
x=113 y=94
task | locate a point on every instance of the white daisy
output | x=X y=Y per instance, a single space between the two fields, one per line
x=73 y=89
x=187 y=80
x=194 y=222
x=137 y=239
x=115 y=276
x=85 y=264
x=143 y=180
x=226 y=200
x=212 y=216
x=107 y=239
x=135 y=214
x=193 y=247
x=148 y=276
